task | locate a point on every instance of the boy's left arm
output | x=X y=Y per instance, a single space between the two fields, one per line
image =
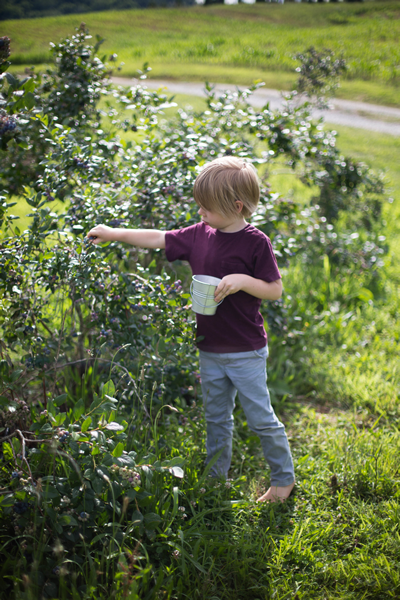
x=259 y=288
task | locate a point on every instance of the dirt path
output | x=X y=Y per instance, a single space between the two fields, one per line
x=372 y=117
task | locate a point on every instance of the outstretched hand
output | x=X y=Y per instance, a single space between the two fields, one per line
x=230 y=284
x=101 y=234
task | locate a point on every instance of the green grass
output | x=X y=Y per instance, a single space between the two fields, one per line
x=237 y=43
x=357 y=364
x=336 y=536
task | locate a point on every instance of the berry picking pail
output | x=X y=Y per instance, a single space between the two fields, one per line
x=202 y=290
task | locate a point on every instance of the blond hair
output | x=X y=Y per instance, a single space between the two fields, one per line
x=224 y=181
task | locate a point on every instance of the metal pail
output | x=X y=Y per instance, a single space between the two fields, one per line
x=202 y=290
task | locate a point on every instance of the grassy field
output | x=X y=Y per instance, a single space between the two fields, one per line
x=237 y=43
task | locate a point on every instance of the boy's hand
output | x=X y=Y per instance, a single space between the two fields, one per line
x=230 y=284
x=101 y=234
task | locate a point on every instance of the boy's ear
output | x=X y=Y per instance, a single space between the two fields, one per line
x=239 y=205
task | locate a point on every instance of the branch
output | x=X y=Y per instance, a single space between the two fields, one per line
x=46 y=328
x=23 y=452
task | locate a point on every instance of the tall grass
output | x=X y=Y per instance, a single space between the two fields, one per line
x=350 y=355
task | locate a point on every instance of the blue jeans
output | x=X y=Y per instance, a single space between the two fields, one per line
x=222 y=375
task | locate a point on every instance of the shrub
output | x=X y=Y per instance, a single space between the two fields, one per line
x=78 y=78
x=79 y=498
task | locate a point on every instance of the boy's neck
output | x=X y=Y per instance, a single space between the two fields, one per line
x=234 y=226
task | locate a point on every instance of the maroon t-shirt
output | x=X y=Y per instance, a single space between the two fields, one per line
x=237 y=325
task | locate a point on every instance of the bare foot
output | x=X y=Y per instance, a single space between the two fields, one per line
x=277 y=493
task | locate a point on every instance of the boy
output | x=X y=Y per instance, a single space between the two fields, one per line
x=233 y=343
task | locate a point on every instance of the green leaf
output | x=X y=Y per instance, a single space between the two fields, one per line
x=136 y=518
x=29 y=100
x=12 y=80
x=67 y=520
x=151 y=520
x=89 y=474
x=108 y=389
x=50 y=492
x=365 y=295
x=59 y=419
x=7 y=500
x=327 y=266
x=79 y=409
x=46 y=428
x=58 y=527
x=97 y=485
x=29 y=85
x=16 y=374
x=60 y=399
x=51 y=408
x=108 y=460
x=118 y=450
x=111 y=404
x=86 y=423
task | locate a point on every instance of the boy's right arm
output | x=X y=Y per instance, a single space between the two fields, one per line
x=142 y=238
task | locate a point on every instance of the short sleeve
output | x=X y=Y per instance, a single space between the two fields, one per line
x=264 y=261
x=179 y=243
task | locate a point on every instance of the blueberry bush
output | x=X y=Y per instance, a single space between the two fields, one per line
x=97 y=352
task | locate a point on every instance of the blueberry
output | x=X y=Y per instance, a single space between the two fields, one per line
x=21 y=507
